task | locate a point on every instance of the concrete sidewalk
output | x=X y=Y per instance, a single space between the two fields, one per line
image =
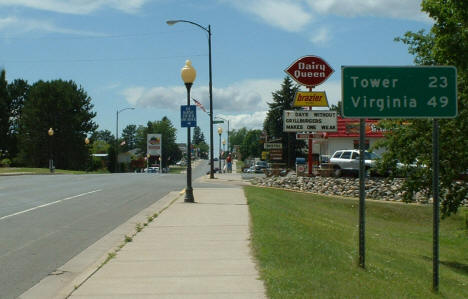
x=198 y=250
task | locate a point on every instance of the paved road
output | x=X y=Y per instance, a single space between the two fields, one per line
x=46 y=220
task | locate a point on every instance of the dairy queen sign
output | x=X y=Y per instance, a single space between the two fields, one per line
x=309 y=71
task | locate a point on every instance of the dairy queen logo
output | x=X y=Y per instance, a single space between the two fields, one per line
x=154 y=140
x=309 y=70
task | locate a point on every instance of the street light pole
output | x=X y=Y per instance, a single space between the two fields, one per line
x=208 y=30
x=188 y=75
x=220 y=131
x=51 y=150
x=117 y=138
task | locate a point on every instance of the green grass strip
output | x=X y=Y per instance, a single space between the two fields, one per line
x=307 y=247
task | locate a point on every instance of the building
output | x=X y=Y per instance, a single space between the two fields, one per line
x=347 y=137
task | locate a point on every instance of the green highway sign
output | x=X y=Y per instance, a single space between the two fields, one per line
x=218 y=121
x=399 y=92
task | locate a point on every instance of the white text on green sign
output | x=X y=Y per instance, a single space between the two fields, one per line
x=399 y=92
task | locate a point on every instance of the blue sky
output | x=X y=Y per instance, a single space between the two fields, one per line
x=124 y=54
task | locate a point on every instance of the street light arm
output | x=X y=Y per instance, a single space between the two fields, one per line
x=172 y=22
x=129 y=108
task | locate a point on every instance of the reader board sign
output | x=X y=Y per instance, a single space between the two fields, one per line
x=270 y=145
x=310 y=99
x=399 y=92
x=154 y=144
x=309 y=121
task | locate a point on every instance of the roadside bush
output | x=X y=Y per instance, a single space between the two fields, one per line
x=5 y=162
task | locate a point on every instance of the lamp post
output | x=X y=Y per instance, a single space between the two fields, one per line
x=227 y=131
x=188 y=75
x=208 y=30
x=220 y=131
x=117 y=137
x=86 y=141
x=51 y=155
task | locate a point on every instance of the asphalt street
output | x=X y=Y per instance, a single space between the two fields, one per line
x=45 y=220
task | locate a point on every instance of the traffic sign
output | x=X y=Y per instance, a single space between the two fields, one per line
x=310 y=99
x=218 y=121
x=188 y=116
x=399 y=92
x=309 y=121
x=309 y=70
x=271 y=145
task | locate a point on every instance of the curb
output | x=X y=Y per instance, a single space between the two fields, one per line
x=67 y=278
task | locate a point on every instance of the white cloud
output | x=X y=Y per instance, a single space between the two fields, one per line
x=243 y=103
x=14 y=25
x=77 y=6
x=321 y=36
x=287 y=15
x=250 y=121
x=399 y=9
x=241 y=97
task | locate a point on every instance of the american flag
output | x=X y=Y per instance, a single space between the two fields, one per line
x=199 y=105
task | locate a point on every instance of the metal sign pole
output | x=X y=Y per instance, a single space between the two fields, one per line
x=435 y=204
x=362 y=194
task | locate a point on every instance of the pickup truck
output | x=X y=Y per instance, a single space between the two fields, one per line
x=348 y=161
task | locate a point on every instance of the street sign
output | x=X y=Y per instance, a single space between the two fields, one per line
x=309 y=70
x=188 y=116
x=399 y=92
x=304 y=136
x=276 y=154
x=270 y=145
x=218 y=122
x=310 y=99
x=309 y=121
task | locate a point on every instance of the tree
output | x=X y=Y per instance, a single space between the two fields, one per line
x=170 y=151
x=103 y=135
x=409 y=141
x=273 y=125
x=129 y=136
x=4 y=111
x=17 y=90
x=338 y=108
x=198 y=140
x=251 y=146
x=66 y=108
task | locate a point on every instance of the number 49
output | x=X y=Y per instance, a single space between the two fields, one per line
x=434 y=101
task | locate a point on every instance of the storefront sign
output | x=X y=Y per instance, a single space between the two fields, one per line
x=154 y=144
x=310 y=99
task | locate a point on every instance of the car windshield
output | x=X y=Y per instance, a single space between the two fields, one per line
x=371 y=156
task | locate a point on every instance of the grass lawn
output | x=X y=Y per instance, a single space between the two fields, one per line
x=44 y=170
x=176 y=169
x=307 y=247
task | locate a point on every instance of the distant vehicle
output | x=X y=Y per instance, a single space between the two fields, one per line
x=181 y=163
x=153 y=169
x=260 y=166
x=348 y=161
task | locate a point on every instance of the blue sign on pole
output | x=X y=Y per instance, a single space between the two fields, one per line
x=188 y=116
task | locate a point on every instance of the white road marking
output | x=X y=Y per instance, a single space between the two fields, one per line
x=49 y=204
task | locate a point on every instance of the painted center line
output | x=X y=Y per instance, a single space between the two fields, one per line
x=49 y=204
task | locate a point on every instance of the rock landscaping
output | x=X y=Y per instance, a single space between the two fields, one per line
x=376 y=188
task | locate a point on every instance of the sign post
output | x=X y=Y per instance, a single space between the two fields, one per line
x=188 y=116
x=401 y=92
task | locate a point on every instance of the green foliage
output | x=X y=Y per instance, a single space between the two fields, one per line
x=306 y=243
x=4 y=111
x=129 y=135
x=198 y=140
x=409 y=142
x=66 y=108
x=283 y=99
x=170 y=150
x=103 y=135
x=251 y=146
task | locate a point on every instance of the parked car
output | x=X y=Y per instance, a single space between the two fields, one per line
x=151 y=169
x=348 y=161
x=260 y=166
x=181 y=163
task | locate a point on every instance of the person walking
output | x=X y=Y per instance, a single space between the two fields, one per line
x=229 y=163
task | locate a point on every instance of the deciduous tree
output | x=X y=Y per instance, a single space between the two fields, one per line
x=410 y=141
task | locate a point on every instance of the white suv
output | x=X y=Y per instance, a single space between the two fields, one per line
x=348 y=161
